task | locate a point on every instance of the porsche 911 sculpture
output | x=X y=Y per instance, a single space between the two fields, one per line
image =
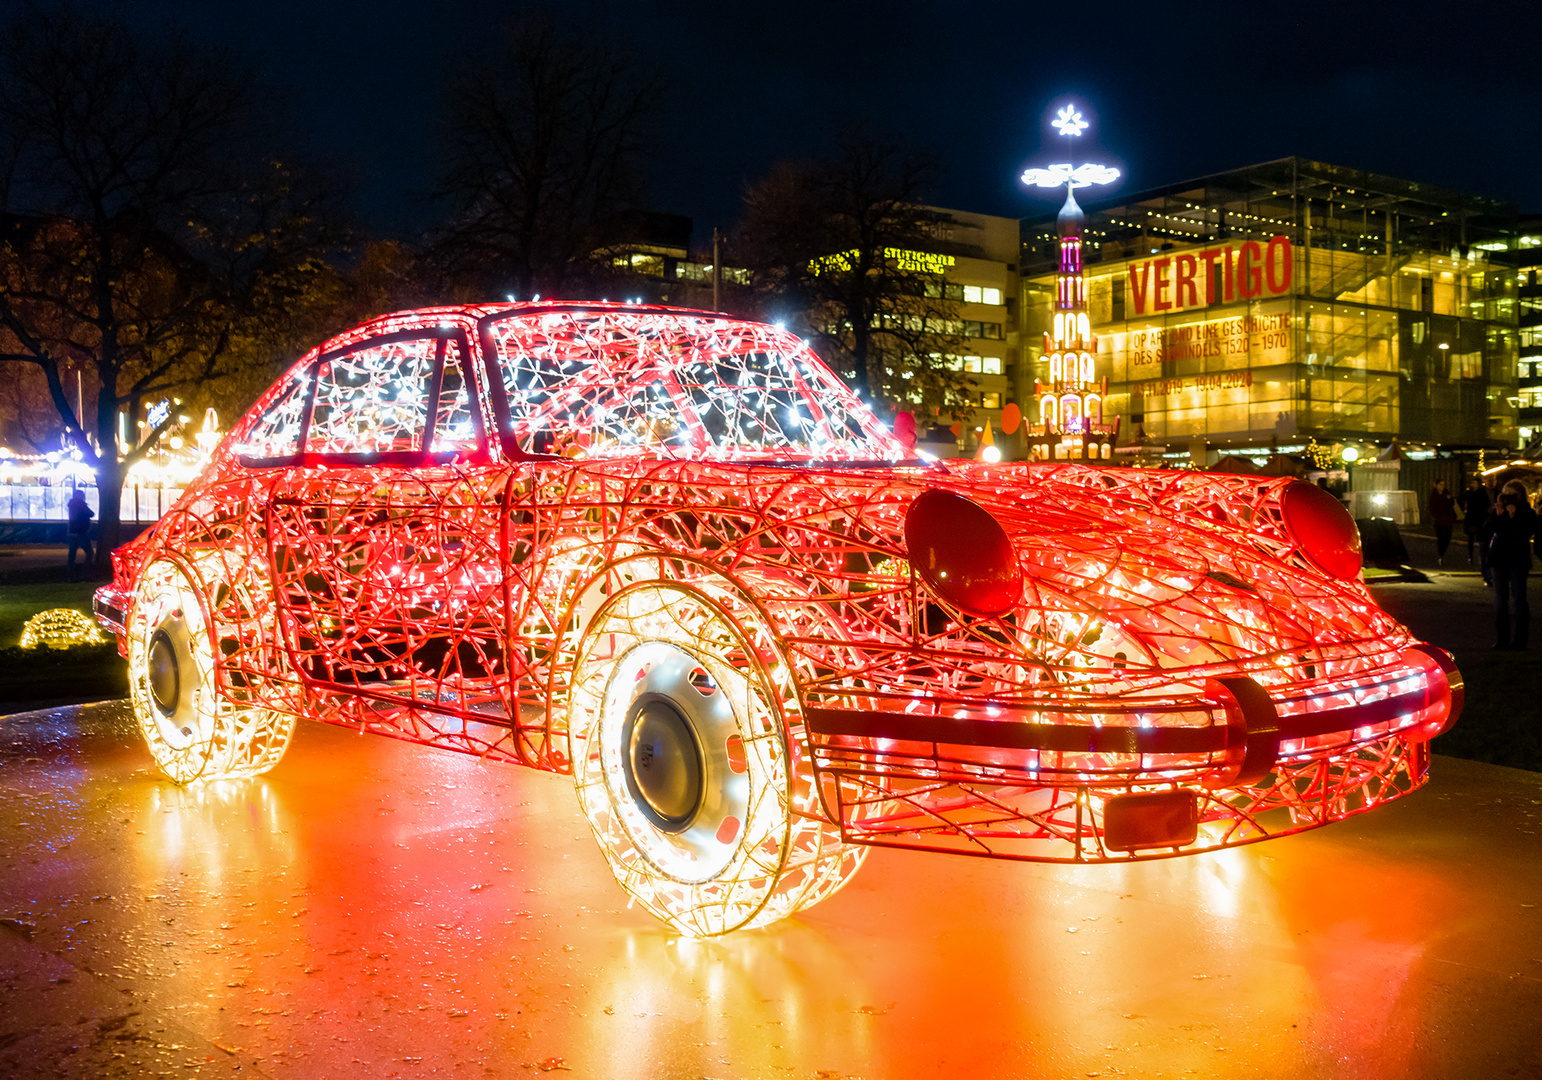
x=670 y=553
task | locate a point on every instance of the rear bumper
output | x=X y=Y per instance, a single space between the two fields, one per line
x=110 y=605
x=980 y=784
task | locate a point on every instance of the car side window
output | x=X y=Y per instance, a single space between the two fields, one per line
x=597 y=384
x=374 y=399
x=276 y=434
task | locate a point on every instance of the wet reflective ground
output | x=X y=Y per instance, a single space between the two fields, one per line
x=375 y=909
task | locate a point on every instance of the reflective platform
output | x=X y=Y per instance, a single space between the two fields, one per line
x=373 y=908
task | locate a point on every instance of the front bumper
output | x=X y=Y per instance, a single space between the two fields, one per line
x=1041 y=784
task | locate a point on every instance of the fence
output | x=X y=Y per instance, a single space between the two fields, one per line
x=26 y=502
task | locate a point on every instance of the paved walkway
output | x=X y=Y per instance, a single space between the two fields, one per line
x=376 y=909
x=1454 y=609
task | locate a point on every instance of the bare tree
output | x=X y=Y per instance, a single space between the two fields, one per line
x=145 y=238
x=545 y=160
x=834 y=244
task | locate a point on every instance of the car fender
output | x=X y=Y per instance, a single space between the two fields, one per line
x=733 y=598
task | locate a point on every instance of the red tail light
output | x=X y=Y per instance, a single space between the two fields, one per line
x=963 y=554
x=1322 y=529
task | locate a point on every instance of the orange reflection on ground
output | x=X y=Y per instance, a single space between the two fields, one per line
x=375 y=908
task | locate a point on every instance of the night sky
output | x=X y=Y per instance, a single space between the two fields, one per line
x=1443 y=93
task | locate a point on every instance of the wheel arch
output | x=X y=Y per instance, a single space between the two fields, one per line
x=787 y=852
x=189 y=570
x=207 y=566
x=731 y=599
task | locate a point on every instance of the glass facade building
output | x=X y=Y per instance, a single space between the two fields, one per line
x=1296 y=299
x=1528 y=256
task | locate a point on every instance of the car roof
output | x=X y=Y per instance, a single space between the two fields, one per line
x=485 y=312
x=480 y=312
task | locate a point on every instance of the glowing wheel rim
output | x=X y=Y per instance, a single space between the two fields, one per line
x=171 y=673
x=173 y=678
x=654 y=679
x=749 y=845
x=194 y=732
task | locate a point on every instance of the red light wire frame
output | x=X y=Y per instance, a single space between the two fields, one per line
x=444 y=603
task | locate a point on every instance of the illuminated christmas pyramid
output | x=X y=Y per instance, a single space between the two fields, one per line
x=1066 y=420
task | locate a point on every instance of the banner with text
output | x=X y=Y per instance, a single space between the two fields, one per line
x=1187 y=280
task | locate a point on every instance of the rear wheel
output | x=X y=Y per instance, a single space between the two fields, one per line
x=685 y=766
x=193 y=730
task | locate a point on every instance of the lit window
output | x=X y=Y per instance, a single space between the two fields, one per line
x=374 y=399
x=971 y=294
x=991 y=365
x=277 y=433
x=990 y=296
x=972 y=364
x=990 y=399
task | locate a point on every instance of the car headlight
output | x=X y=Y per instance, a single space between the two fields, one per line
x=962 y=553
x=1322 y=529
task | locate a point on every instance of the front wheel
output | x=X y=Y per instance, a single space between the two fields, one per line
x=685 y=766
x=193 y=730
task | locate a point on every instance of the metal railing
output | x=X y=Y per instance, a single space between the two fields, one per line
x=33 y=502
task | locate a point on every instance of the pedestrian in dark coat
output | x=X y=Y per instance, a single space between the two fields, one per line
x=79 y=531
x=1475 y=508
x=1514 y=525
x=1442 y=511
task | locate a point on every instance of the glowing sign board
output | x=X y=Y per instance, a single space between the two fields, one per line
x=1245 y=271
x=915 y=262
x=1247 y=338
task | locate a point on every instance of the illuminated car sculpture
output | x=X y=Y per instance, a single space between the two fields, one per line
x=671 y=554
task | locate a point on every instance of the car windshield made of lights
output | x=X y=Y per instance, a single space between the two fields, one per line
x=607 y=384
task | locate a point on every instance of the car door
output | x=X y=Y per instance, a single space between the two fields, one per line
x=385 y=541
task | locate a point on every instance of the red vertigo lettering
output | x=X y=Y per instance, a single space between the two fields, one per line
x=1253 y=269
x=1249 y=270
x=1161 y=303
x=1209 y=256
x=1281 y=285
x=1184 y=294
x=1140 y=281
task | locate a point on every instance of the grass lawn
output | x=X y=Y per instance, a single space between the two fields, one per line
x=18 y=603
x=83 y=673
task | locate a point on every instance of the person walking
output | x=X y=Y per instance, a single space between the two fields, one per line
x=1475 y=508
x=1442 y=511
x=79 y=530
x=1509 y=561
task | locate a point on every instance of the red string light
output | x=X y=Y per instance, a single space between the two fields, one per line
x=506 y=530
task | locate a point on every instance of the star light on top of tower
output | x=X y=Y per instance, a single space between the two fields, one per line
x=1069 y=121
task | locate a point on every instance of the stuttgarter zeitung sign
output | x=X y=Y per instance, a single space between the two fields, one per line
x=1248 y=271
x=914 y=262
